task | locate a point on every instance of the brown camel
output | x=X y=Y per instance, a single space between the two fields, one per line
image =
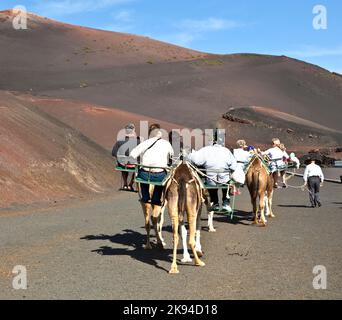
x=259 y=181
x=184 y=195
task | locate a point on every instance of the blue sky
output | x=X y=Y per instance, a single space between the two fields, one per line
x=217 y=26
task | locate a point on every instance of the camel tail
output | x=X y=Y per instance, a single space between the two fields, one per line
x=256 y=184
x=182 y=196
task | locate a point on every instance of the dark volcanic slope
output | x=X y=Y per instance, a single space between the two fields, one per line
x=259 y=125
x=41 y=159
x=72 y=62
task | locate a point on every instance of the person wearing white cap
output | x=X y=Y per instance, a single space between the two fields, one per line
x=276 y=156
x=155 y=154
x=242 y=157
x=121 y=152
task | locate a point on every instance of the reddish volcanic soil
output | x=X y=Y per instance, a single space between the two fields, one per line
x=54 y=46
x=43 y=160
x=98 y=123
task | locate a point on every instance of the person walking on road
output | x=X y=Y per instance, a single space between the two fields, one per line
x=314 y=178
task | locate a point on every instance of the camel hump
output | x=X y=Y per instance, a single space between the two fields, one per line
x=183 y=173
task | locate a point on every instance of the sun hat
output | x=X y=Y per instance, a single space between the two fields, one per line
x=130 y=128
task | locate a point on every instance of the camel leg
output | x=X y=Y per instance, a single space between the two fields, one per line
x=174 y=219
x=198 y=245
x=184 y=234
x=160 y=226
x=262 y=208
x=255 y=210
x=210 y=213
x=192 y=229
x=156 y=212
x=267 y=209
x=211 y=221
x=270 y=203
x=147 y=209
x=210 y=218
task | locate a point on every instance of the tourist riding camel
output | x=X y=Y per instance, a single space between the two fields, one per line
x=155 y=154
x=121 y=151
x=218 y=161
x=276 y=158
x=176 y=141
x=294 y=160
x=241 y=154
x=242 y=157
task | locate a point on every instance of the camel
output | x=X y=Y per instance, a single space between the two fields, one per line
x=184 y=195
x=259 y=181
x=184 y=235
x=157 y=224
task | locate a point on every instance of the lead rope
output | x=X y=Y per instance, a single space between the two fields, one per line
x=297 y=187
x=291 y=175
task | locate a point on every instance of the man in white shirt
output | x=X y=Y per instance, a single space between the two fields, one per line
x=314 y=178
x=276 y=156
x=155 y=154
x=241 y=155
x=216 y=158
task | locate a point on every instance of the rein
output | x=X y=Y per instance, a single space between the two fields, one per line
x=263 y=162
x=206 y=176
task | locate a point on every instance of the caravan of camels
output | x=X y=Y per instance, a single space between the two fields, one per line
x=170 y=177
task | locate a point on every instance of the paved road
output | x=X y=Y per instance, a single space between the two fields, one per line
x=93 y=250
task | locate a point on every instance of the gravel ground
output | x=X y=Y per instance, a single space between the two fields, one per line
x=93 y=250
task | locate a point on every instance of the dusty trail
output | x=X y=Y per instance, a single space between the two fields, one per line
x=93 y=250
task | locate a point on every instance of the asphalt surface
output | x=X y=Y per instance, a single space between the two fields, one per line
x=93 y=250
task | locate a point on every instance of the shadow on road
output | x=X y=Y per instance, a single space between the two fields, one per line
x=134 y=242
x=240 y=217
x=293 y=206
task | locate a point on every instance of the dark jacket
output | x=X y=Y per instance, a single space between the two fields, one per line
x=122 y=149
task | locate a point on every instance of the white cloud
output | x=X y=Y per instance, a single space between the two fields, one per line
x=124 y=16
x=314 y=52
x=190 y=30
x=65 y=7
x=207 y=25
x=123 y=21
